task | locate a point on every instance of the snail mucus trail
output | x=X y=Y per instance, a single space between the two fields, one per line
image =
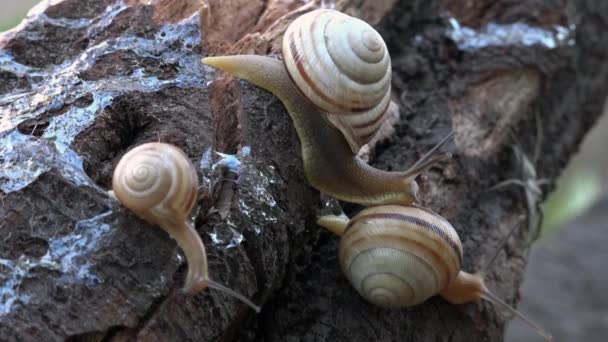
x=159 y=184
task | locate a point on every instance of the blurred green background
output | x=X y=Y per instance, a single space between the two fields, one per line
x=13 y=11
x=582 y=182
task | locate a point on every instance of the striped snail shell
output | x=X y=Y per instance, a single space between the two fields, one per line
x=398 y=256
x=157 y=181
x=342 y=65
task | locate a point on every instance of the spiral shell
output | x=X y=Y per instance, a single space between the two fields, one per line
x=342 y=65
x=398 y=256
x=157 y=181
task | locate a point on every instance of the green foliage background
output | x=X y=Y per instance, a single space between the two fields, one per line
x=12 y=11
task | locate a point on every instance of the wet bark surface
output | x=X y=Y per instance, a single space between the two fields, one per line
x=82 y=82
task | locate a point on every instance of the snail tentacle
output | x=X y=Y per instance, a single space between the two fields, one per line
x=468 y=288
x=335 y=82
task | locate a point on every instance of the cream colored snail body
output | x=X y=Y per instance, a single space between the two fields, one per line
x=400 y=255
x=325 y=52
x=158 y=183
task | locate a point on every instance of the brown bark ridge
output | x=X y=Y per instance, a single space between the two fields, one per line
x=83 y=81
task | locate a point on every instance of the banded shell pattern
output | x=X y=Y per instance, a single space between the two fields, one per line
x=399 y=256
x=342 y=65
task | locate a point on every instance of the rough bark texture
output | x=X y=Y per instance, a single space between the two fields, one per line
x=82 y=82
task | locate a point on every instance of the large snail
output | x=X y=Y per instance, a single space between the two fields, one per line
x=158 y=183
x=336 y=69
x=400 y=255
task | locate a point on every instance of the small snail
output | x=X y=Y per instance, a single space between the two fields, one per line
x=159 y=184
x=309 y=90
x=400 y=255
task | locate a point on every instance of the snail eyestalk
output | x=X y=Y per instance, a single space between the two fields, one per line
x=329 y=163
x=468 y=288
x=431 y=157
x=217 y=286
x=198 y=278
x=487 y=295
x=337 y=94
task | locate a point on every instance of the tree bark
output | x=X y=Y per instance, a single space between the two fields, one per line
x=82 y=82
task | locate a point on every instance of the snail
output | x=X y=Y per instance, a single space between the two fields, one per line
x=159 y=184
x=401 y=255
x=318 y=96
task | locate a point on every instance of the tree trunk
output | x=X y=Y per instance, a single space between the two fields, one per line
x=84 y=81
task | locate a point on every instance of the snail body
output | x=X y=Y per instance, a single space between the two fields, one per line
x=330 y=163
x=401 y=255
x=159 y=184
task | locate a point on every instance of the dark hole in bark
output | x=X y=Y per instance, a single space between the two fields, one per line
x=174 y=115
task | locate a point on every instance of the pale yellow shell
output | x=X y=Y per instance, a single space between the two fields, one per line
x=157 y=181
x=342 y=65
x=398 y=256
